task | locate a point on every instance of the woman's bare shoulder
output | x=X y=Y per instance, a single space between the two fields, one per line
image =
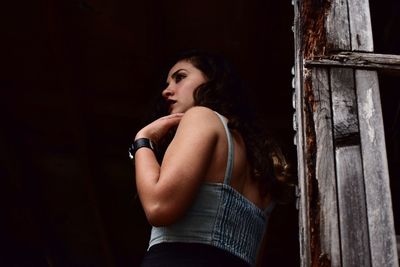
x=200 y=117
x=200 y=111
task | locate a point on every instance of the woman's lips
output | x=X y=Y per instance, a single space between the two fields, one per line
x=170 y=103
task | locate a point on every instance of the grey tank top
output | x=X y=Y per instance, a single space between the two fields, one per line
x=221 y=217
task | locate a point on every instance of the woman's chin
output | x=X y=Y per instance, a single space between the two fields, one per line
x=172 y=110
x=179 y=109
x=176 y=110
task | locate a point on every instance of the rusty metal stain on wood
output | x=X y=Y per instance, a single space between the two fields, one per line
x=312 y=182
x=324 y=260
x=313 y=14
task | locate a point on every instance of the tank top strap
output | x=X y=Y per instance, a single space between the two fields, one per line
x=229 y=164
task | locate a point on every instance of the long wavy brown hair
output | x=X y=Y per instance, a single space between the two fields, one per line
x=225 y=93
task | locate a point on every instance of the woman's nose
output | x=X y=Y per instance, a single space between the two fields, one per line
x=167 y=92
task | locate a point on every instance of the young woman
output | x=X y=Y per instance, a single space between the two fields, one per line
x=210 y=196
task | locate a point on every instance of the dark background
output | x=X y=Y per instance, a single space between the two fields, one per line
x=77 y=80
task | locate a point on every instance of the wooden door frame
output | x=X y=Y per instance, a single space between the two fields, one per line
x=345 y=210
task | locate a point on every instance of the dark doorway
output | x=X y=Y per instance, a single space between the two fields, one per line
x=78 y=79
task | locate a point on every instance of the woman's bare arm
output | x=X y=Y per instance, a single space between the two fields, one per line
x=167 y=191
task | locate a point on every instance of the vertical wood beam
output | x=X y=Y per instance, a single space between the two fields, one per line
x=360 y=26
x=337 y=26
x=376 y=175
x=325 y=169
x=351 y=193
x=304 y=233
x=353 y=226
x=309 y=33
x=339 y=165
x=379 y=203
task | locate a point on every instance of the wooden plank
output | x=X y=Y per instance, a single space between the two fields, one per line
x=360 y=26
x=322 y=28
x=337 y=26
x=379 y=205
x=325 y=169
x=344 y=107
x=353 y=217
x=304 y=227
x=351 y=193
x=383 y=62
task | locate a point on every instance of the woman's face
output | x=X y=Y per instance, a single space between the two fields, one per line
x=183 y=79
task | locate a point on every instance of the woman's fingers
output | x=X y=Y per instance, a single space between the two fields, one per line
x=172 y=116
x=158 y=128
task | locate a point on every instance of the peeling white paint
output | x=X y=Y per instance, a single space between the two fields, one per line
x=369 y=110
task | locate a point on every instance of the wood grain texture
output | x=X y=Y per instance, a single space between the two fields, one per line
x=360 y=26
x=370 y=61
x=378 y=197
x=325 y=168
x=352 y=209
x=344 y=107
x=337 y=26
x=351 y=193
x=338 y=140
x=304 y=232
x=343 y=102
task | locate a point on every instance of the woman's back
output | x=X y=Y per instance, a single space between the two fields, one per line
x=220 y=215
x=241 y=180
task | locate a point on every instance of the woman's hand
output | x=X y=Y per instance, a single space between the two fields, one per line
x=167 y=190
x=156 y=130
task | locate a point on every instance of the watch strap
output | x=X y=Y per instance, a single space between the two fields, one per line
x=139 y=143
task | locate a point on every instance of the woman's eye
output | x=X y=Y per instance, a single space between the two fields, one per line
x=179 y=77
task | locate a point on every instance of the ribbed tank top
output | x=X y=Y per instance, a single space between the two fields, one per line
x=220 y=216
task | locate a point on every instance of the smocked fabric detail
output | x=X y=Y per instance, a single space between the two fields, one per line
x=240 y=225
x=220 y=216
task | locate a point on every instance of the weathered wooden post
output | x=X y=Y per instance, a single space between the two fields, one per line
x=345 y=205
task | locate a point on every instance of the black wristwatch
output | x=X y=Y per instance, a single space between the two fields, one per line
x=138 y=143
